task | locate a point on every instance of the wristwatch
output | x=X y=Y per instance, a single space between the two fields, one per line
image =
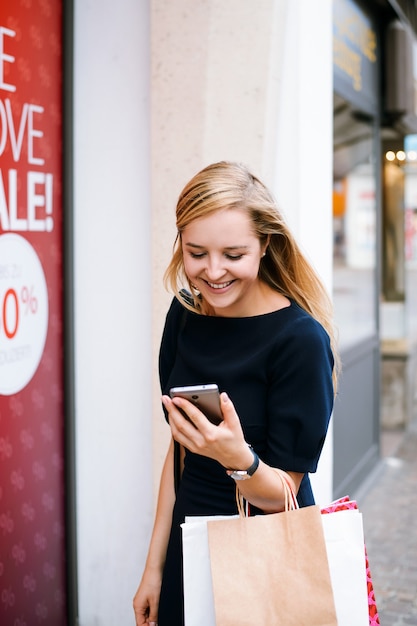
x=245 y=474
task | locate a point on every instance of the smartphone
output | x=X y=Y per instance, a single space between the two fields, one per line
x=204 y=397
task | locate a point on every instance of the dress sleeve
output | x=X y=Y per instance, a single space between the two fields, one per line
x=300 y=398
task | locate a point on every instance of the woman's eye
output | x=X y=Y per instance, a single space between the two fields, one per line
x=201 y=255
x=234 y=257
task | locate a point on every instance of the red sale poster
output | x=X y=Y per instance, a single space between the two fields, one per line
x=32 y=517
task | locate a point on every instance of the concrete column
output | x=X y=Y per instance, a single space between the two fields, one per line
x=248 y=82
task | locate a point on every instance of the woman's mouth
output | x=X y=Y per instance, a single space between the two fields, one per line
x=219 y=285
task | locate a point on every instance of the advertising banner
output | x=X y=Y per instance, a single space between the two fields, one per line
x=32 y=528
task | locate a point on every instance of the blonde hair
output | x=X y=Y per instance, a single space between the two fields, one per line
x=284 y=268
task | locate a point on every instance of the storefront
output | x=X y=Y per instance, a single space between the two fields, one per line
x=373 y=223
x=356 y=210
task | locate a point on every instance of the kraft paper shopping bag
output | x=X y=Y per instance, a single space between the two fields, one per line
x=271 y=569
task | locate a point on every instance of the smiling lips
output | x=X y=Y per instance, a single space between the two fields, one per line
x=219 y=285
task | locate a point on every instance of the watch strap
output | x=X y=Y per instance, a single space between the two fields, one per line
x=244 y=474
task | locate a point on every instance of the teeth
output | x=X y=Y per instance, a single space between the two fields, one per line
x=219 y=285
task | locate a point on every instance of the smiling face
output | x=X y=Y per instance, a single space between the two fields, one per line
x=221 y=259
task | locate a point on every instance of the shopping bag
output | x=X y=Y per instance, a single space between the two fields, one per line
x=271 y=569
x=198 y=589
x=343 y=533
x=340 y=505
x=346 y=555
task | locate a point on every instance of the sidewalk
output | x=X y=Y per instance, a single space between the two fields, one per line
x=389 y=510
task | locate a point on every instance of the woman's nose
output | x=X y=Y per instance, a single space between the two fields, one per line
x=214 y=269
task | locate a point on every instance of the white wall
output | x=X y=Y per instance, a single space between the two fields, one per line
x=112 y=305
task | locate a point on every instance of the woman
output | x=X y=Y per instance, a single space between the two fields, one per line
x=256 y=320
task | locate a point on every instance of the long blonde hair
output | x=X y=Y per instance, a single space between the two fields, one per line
x=284 y=268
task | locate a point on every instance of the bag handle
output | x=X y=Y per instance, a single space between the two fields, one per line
x=291 y=503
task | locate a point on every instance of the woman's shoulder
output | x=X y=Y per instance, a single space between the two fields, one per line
x=174 y=321
x=178 y=304
x=288 y=317
x=176 y=312
x=301 y=324
x=292 y=330
x=298 y=345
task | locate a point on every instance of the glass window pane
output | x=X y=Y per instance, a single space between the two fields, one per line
x=354 y=225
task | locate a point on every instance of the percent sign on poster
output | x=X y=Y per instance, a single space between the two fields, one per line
x=23 y=313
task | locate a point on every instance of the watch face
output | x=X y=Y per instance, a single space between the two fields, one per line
x=240 y=475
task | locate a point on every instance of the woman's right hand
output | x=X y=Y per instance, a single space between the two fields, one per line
x=146 y=600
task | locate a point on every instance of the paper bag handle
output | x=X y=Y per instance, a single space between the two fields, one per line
x=290 y=498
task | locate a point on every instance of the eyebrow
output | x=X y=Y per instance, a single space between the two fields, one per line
x=198 y=247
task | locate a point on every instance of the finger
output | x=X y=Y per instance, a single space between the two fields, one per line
x=148 y=616
x=183 y=430
x=198 y=417
x=186 y=413
x=228 y=409
x=176 y=413
x=140 y=618
x=153 y=620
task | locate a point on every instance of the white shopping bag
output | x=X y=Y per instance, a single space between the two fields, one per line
x=343 y=532
x=198 y=588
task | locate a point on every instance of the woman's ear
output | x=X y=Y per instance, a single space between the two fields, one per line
x=265 y=245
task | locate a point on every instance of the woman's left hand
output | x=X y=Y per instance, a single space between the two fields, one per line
x=225 y=443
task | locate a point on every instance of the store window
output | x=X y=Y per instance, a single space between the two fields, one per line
x=354 y=224
x=399 y=303
x=410 y=159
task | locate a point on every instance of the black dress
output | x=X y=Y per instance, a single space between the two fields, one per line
x=277 y=370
